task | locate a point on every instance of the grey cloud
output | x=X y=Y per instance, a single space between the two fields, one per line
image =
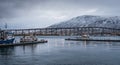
x=11 y=9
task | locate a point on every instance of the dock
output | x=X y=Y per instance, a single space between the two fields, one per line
x=23 y=43
x=94 y=39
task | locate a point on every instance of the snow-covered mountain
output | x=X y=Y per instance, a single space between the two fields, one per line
x=90 y=21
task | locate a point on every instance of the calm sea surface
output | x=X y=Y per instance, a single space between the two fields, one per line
x=60 y=52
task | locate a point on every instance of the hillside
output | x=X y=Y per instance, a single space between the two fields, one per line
x=90 y=21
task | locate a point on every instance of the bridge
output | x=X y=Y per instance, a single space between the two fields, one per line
x=68 y=31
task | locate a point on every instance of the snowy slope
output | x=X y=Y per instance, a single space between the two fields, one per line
x=90 y=21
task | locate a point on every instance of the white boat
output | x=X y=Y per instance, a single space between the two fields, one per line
x=83 y=37
x=30 y=38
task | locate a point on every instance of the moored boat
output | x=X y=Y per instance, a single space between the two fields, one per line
x=6 y=37
x=31 y=39
x=7 y=41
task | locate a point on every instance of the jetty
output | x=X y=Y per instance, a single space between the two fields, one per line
x=23 y=43
x=108 y=39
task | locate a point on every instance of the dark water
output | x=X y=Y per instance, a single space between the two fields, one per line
x=60 y=52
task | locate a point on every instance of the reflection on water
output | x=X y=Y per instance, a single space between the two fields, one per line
x=6 y=50
x=59 y=51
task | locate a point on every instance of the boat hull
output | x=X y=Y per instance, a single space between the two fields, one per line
x=8 y=41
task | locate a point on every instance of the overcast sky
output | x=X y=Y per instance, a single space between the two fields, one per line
x=42 y=13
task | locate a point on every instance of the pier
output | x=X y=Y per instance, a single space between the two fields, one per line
x=21 y=44
x=69 y=31
x=105 y=39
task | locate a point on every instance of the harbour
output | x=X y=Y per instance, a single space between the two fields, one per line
x=30 y=37
x=31 y=48
x=59 y=51
x=81 y=47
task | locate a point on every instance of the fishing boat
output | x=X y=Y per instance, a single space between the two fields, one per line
x=82 y=37
x=31 y=39
x=6 y=37
x=85 y=36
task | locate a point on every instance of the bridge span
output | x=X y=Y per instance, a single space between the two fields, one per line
x=69 y=31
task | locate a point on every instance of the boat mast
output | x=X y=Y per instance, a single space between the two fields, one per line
x=6 y=26
x=5 y=32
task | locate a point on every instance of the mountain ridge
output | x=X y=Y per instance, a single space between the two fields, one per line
x=90 y=21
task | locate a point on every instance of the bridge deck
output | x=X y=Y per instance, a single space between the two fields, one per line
x=67 y=31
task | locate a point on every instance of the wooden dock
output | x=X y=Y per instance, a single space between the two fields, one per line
x=20 y=44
